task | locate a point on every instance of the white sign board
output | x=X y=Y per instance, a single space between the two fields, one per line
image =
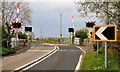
x=76 y=41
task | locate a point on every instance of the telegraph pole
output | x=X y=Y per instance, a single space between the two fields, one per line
x=60 y=27
x=41 y=34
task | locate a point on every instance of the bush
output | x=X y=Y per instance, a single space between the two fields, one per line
x=7 y=51
x=81 y=42
x=93 y=46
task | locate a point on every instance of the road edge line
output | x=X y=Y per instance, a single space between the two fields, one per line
x=37 y=59
x=80 y=59
x=81 y=49
x=78 y=65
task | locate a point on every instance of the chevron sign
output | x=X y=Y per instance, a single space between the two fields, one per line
x=104 y=33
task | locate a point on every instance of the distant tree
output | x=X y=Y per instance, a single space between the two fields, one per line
x=22 y=35
x=82 y=33
x=52 y=40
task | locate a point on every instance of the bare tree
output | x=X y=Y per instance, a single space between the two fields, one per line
x=105 y=11
x=8 y=13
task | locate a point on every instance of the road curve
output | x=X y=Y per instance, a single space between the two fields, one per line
x=65 y=59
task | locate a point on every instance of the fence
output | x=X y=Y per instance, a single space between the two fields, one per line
x=14 y=43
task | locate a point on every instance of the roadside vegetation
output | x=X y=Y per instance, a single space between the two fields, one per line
x=94 y=61
x=81 y=34
x=7 y=51
x=8 y=14
x=108 y=13
x=54 y=40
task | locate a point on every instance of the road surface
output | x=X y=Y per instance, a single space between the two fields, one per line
x=65 y=59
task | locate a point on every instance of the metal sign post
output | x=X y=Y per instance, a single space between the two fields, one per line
x=71 y=30
x=105 y=54
x=28 y=30
x=28 y=36
x=71 y=37
x=89 y=25
x=97 y=47
x=89 y=39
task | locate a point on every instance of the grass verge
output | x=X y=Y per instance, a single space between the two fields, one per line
x=7 y=51
x=94 y=61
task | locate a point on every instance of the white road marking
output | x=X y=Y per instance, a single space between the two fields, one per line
x=32 y=46
x=81 y=49
x=78 y=65
x=38 y=59
x=39 y=50
x=80 y=59
x=69 y=50
x=50 y=44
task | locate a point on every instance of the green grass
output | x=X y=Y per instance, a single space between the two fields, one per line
x=94 y=61
x=7 y=51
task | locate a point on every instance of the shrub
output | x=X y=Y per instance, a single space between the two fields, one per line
x=7 y=51
x=93 y=46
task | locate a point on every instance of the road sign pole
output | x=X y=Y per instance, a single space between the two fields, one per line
x=28 y=37
x=90 y=38
x=105 y=54
x=88 y=42
x=71 y=37
x=97 y=47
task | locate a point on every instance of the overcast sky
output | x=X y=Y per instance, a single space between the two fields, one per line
x=46 y=15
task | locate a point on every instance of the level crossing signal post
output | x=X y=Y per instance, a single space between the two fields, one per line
x=89 y=25
x=71 y=30
x=15 y=25
x=28 y=30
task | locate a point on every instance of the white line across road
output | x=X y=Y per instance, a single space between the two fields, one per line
x=43 y=58
x=38 y=50
x=81 y=49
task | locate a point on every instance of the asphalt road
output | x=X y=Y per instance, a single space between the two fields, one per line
x=33 y=53
x=64 y=60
